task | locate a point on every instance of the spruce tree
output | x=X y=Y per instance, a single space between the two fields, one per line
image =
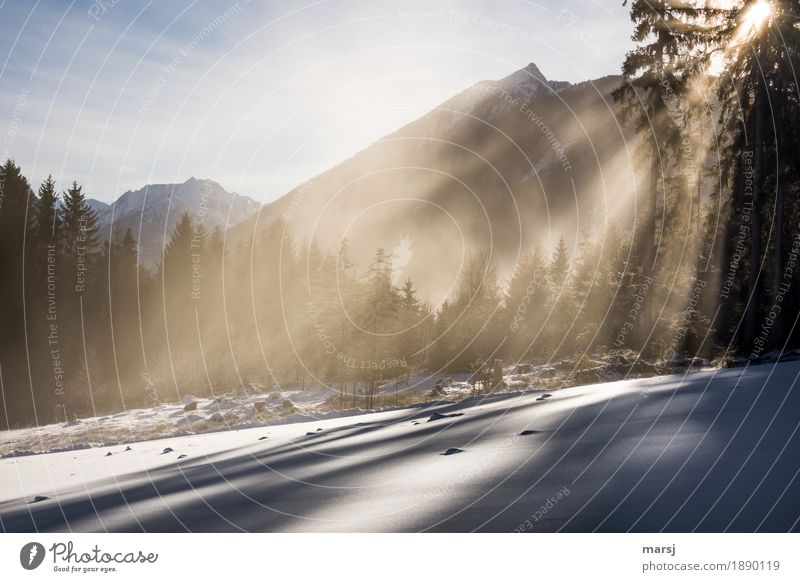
x=16 y=198
x=45 y=220
x=80 y=231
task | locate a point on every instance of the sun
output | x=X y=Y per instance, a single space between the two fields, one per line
x=757 y=15
x=753 y=19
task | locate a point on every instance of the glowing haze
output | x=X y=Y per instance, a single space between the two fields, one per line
x=261 y=96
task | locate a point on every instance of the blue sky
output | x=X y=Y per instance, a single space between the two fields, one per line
x=260 y=95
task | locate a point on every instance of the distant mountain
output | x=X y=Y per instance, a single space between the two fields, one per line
x=152 y=212
x=503 y=165
x=97 y=205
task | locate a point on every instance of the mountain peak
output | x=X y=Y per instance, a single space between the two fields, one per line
x=195 y=182
x=152 y=211
x=529 y=74
x=533 y=71
x=525 y=83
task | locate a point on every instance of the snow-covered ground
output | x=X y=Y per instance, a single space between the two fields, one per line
x=232 y=410
x=710 y=451
x=224 y=412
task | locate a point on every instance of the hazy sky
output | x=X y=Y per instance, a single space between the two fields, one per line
x=260 y=95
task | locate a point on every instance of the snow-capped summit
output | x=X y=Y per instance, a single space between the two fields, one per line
x=151 y=212
x=526 y=83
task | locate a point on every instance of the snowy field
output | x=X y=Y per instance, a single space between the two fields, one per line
x=231 y=410
x=715 y=450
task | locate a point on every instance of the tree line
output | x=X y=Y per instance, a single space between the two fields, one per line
x=88 y=330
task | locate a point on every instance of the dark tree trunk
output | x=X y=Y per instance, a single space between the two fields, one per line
x=780 y=217
x=755 y=280
x=650 y=254
x=650 y=249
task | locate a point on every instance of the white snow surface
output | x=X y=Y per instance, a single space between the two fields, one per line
x=716 y=450
x=231 y=410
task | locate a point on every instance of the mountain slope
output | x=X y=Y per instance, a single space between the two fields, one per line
x=152 y=212
x=503 y=165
